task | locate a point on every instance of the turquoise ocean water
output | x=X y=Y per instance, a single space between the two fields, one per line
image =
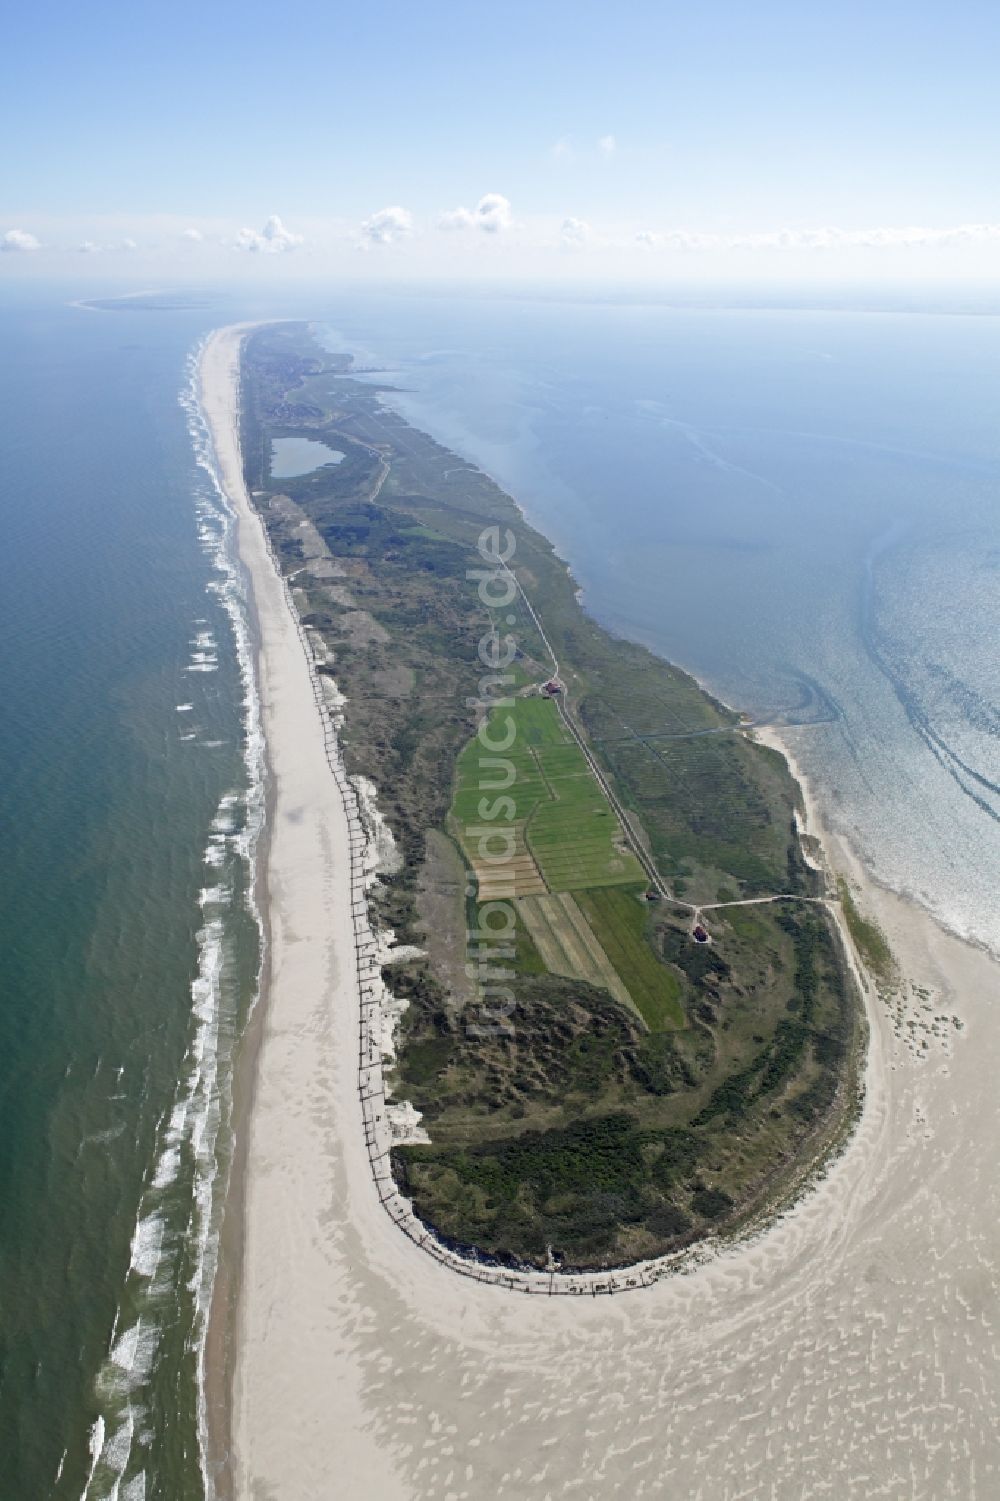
x=801 y=507
x=128 y=951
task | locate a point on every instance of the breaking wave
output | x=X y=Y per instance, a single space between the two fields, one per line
x=174 y=1250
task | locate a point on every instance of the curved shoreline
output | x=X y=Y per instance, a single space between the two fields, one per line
x=314 y=995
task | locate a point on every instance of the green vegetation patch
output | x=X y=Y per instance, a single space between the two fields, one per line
x=620 y=920
x=569 y=826
x=868 y=938
x=564 y=937
x=569 y=1190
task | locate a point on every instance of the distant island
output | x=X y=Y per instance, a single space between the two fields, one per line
x=152 y=302
x=623 y=1016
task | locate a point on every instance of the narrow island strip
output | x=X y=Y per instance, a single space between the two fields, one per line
x=611 y=1014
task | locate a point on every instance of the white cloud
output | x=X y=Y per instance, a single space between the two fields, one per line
x=194 y=235
x=129 y=245
x=388 y=225
x=491 y=214
x=607 y=146
x=562 y=150
x=271 y=240
x=19 y=239
x=276 y=234
x=886 y=237
x=574 y=231
x=87 y=247
x=962 y=234
x=456 y=218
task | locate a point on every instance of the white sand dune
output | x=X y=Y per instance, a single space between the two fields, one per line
x=851 y=1351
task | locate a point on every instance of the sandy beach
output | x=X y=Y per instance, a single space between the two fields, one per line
x=848 y=1351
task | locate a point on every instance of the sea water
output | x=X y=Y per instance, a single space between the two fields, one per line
x=130 y=787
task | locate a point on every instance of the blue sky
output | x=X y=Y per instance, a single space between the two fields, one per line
x=620 y=138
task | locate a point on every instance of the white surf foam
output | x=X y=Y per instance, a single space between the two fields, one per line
x=194 y=1134
x=210 y=1097
x=147 y=1240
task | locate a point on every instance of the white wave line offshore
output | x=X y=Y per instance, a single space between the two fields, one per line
x=194 y=1130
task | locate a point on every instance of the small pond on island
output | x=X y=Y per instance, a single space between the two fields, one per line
x=291 y=457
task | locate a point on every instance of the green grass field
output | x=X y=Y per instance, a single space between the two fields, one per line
x=569 y=825
x=571 y=830
x=619 y=919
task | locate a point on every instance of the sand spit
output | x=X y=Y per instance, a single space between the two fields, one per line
x=847 y=1352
